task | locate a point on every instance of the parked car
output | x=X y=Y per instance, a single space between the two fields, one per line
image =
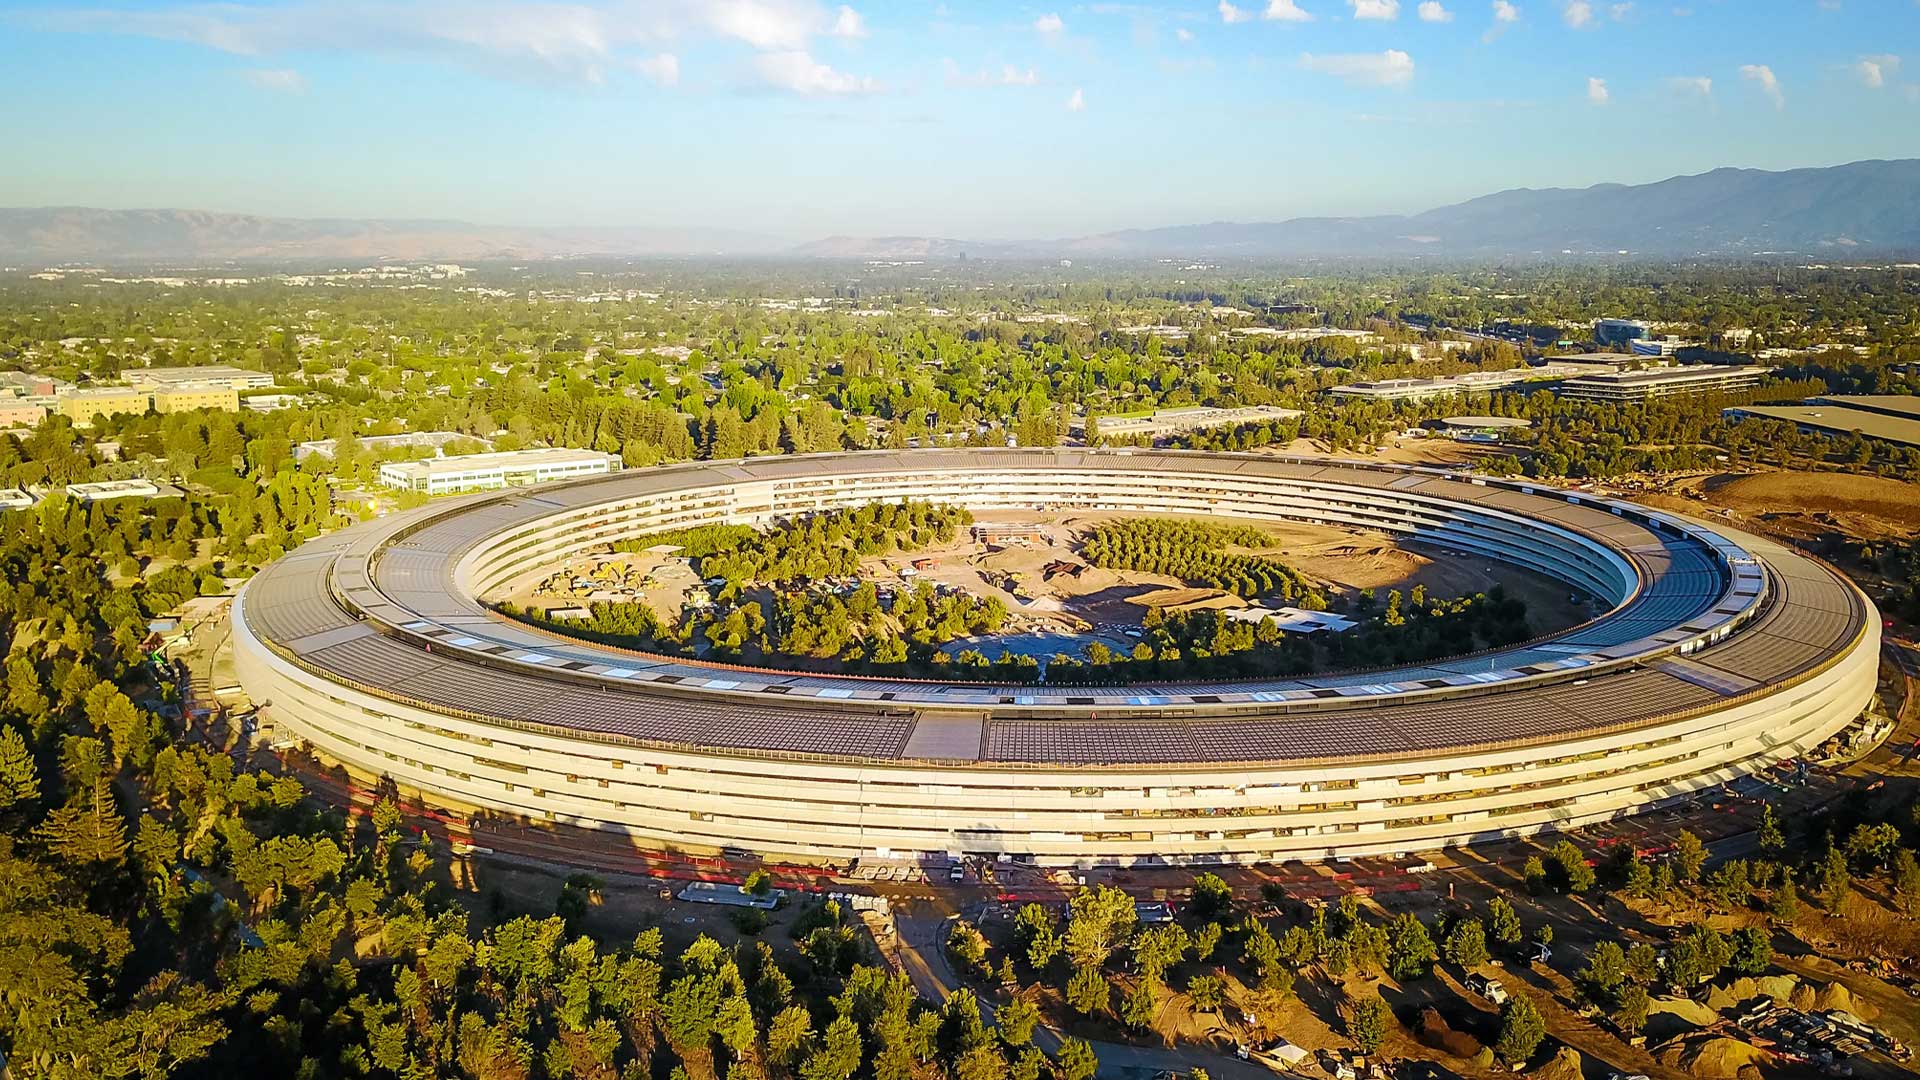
x=1487 y=988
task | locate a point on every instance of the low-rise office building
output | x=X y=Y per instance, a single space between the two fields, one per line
x=30 y=384
x=16 y=499
x=1442 y=386
x=119 y=489
x=1175 y=421
x=409 y=440
x=154 y=378
x=19 y=414
x=83 y=407
x=185 y=398
x=1661 y=346
x=1633 y=387
x=487 y=472
x=1889 y=417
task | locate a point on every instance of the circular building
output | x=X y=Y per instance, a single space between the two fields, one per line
x=1720 y=654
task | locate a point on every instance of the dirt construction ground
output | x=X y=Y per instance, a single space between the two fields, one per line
x=1342 y=560
x=1796 y=506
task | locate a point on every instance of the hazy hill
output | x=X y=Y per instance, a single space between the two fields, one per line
x=68 y=234
x=1866 y=208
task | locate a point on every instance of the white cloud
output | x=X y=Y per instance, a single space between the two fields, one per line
x=662 y=69
x=1597 y=91
x=763 y=24
x=1050 y=24
x=1285 y=11
x=578 y=41
x=1008 y=75
x=1699 y=86
x=849 y=24
x=797 y=71
x=1621 y=12
x=1578 y=14
x=1182 y=33
x=1230 y=14
x=1389 y=68
x=1077 y=101
x=277 y=80
x=1874 y=71
x=1378 y=10
x=1434 y=11
x=1505 y=12
x=1768 y=82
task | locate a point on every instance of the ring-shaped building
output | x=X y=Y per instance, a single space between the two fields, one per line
x=1718 y=655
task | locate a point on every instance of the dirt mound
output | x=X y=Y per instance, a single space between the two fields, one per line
x=1188 y=599
x=1437 y=1033
x=1668 y=1016
x=1877 y=496
x=1716 y=1058
x=1564 y=1065
x=1740 y=991
x=1811 y=997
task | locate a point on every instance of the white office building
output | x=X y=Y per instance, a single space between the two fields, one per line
x=118 y=489
x=169 y=378
x=487 y=472
x=1640 y=386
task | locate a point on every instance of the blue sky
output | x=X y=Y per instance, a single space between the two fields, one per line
x=976 y=120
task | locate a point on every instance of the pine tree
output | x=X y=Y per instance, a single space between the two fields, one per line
x=1370 y=1024
x=88 y=831
x=19 y=779
x=1521 y=1031
x=1771 y=839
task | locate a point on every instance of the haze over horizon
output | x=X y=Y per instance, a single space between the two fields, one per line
x=1007 y=121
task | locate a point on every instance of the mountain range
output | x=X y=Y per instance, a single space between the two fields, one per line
x=1864 y=209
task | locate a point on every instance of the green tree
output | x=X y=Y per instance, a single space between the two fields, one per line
x=1534 y=873
x=1207 y=992
x=1076 y=1060
x=1099 y=920
x=1783 y=907
x=1033 y=932
x=1212 y=896
x=1504 y=922
x=1017 y=1019
x=1138 y=1010
x=1157 y=949
x=1370 y=1024
x=789 y=1036
x=1088 y=991
x=1630 y=1014
x=1772 y=841
x=1606 y=970
x=1752 y=950
x=838 y=1057
x=1205 y=940
x=1466 y=943
x=1521 y=1031
x=1570 y=872
x=19 y=778
x=1689 y=855
x=1905 y=873
x=1410 y=953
